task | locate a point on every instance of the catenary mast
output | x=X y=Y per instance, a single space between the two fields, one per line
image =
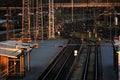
x=51 y=20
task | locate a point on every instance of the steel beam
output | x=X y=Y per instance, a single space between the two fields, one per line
x=57 y=5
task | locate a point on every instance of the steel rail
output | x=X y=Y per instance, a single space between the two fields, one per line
x=66 y=61
x=96 y=63
x=56 y=68
x=86 y=64
x=63 y=74
x=54 y=64
x=70 y=71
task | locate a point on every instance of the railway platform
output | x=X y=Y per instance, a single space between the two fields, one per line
x=107 y=55
x=117 y=44
x=40 y=57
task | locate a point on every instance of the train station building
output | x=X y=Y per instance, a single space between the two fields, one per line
x=12 y=58
x=11 y=62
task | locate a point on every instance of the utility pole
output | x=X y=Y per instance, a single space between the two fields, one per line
x=41 y=15
x=36 y=27
x=116 y=24
x=95 y=21
x=110 y=26
x=7 y=24
x=51 y=28
x=95 y=24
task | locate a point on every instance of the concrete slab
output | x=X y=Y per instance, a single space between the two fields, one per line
x=107 y=61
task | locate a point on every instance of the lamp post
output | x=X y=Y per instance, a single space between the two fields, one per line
x=110 y=28
x=116 y=23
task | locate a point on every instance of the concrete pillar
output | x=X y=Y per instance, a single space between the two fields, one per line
x=28 y=61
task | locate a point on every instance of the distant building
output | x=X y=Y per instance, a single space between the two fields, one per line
x=11 y=23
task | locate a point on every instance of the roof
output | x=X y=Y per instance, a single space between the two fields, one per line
x=10 y=52
x=18 y=45
x=13 y=49
x=3 y=21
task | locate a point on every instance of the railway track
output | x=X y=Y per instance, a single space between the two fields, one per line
x=88 y=66
x=90 y=71
x=61 y=65
x=61 y=68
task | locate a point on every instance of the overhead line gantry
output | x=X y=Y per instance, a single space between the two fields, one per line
x=28 y=13
x=57 y=5
x=26 y=10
